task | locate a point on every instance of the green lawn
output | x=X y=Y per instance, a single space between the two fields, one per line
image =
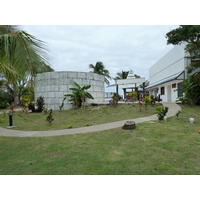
x=171 y=147
x=92 y=115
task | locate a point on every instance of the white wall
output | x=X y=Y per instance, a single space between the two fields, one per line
x=172 y=63
x=170 y=94
x=54 y=85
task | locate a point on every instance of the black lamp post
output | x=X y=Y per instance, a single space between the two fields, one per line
x=10 y=119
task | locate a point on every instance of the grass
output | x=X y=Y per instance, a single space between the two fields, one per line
x=76 y=118
x=171 y=147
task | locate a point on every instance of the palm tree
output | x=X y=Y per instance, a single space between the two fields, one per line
x=100 y=69
x=121 y=75
x=21 y=54
x=137 y=76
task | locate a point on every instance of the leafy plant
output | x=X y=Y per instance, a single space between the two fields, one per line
x=78 y=96
x=3 y=113
x=1 y=120
x=21 y=54
x=62 y=104
x=40 y=104
x=177 y=114
x=153 y=100
x=4 y=104
x=50 y=117
x=146 y=101
x=161 y=112
x=69 y=126
x=115 y=99
x=133 y=96
x=31 y=106
x=45 y=110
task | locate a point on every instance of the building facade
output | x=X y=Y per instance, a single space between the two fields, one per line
x=166 y=76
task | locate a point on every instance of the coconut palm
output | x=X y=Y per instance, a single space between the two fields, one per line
x=100 y=69
x=21 y=54
x=121 y=75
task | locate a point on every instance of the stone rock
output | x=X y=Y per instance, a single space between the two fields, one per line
x=129 y=125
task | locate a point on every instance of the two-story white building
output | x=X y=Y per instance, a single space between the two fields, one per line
x=166 y=76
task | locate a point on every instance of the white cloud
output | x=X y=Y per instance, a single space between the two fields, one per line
x=118 y=47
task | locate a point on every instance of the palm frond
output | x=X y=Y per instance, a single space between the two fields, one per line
x=24 y=51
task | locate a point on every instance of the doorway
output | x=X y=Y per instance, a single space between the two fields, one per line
x=169 y=93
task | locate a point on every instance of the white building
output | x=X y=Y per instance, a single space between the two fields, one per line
x=166 y=76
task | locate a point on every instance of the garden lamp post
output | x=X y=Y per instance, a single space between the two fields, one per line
x=10 y=120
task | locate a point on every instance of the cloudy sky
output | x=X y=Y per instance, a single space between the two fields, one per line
x=119 y=47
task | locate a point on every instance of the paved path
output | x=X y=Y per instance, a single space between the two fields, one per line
x=173 y=108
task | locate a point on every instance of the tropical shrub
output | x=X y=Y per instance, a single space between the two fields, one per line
x=31 y=106
x=134 y=97
x=4 y=104
x=5 y=98
x=115 y=99
x=153 y=100
x=25 y=102
x=45 y=110
x=40 y=104
x=161 y=112
x=146 y=101
x=78 y=96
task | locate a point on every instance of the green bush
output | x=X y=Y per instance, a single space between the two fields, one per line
x=161 y=112
x=31 y=106
x=45 y=110
x=4 y=104
x=6 y=96
x=40 y=104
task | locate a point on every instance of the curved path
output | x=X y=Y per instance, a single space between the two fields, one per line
x=173 y=108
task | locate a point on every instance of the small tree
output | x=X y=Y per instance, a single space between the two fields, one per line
x=115 y=99
x=133 y=96
x=50 y=117
x=146 y=101
x=40 y=104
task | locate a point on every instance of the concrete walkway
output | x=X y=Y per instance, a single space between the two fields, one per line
x=173 y=108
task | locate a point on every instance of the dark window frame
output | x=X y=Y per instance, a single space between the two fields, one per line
x=162 y=90
x=174 y=85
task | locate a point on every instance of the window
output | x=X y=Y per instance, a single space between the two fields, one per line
x=162 y=90
x=174 y=85
x=180 y=92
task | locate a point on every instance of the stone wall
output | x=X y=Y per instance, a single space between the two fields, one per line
x=54 y=85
